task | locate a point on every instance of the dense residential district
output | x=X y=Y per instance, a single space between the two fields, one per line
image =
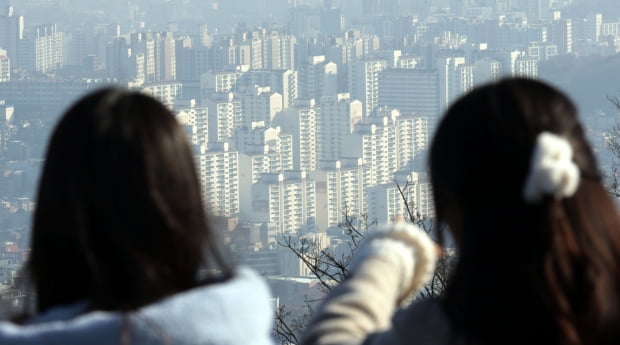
x=303 y=115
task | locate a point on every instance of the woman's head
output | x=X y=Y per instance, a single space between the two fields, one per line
x=556 y=257
x=119 y=218
x=481 y=153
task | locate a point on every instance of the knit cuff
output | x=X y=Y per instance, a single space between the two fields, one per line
x=410 y=251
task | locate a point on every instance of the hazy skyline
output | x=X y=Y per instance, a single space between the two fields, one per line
x=307 y=107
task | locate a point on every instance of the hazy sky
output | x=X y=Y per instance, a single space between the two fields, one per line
x=220 y=13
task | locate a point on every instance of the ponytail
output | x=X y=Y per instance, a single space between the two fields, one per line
x=581 y=269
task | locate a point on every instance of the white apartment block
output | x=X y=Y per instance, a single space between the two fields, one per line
x=301 y=121
x=406 y=134
x=5 y=66
x=455 y=78
x=166 y=92
x=219 y=176
x=260 y=104
x=286 y=199
x=387 y=202
x=376 y=145
x=409 y=192
x=49 y=48
x=197 y=118
x=225 y=114
x=277 y=51
x=150 y=65
x=233 y=54
x=412 y=138
x=610 y=29
x=260 y=140
x=140 y=63
x=464 y=80
x=290 y=88
x=165 y=57
x=263 y=150
x=220 y=81
x=526 y=67
x=154 y=55
x=274 y=155
x=251 y=167
x=143 y=48
x=379 y=145
x=364 y=82
x=387 y=142
x=337 y=119
x=256 y=52
x=149 y=57
x=340 y=191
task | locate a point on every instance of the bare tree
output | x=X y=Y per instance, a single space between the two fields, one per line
x=327 y=267
x=330 y=269
x=288 y=327
x=612 y=141
x=438 y=283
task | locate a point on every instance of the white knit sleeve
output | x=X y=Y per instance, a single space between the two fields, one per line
x=388 y=267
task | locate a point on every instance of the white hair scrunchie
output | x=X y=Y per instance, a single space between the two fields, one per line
x=552 y=170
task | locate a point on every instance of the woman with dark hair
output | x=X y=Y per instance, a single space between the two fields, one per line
x=537 y=236
x=122 y=252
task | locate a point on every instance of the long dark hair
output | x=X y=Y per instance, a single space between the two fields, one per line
x=547 y=272
x=119 y=219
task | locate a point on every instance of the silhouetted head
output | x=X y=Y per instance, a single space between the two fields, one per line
x=119 y=219
x=548 y=267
